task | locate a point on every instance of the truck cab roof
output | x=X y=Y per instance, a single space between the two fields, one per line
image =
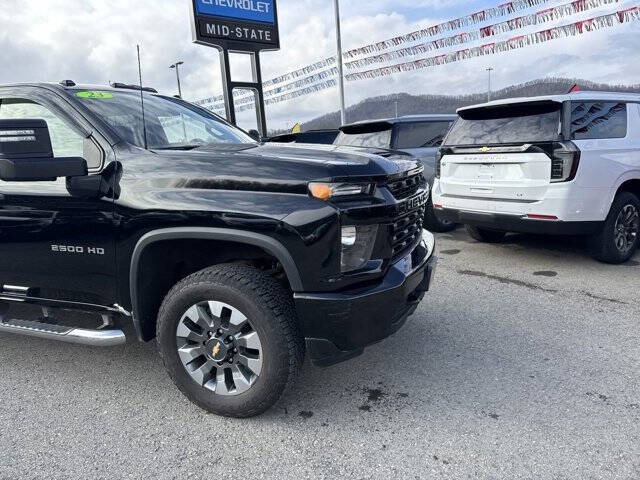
x=72 y=86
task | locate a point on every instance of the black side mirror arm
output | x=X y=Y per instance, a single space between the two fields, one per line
x=101 y=185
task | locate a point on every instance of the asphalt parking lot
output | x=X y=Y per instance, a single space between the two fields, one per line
x=522 y=362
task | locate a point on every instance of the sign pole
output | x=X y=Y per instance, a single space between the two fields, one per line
x=241 y=27
x=343 y=112
x=259 y=94
x=225 y=66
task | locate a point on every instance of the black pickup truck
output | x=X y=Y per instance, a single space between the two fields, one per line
x=238 y=257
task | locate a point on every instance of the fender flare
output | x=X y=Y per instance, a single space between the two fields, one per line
x=270 y=245
x=622 y=179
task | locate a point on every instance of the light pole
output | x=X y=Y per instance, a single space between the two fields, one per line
x=177 y=67
x=490 y=69
x=343 y=113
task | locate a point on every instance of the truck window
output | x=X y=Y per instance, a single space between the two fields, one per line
x=597 y=120
x=65 y=141
x=421 y=135
x=169 y=122
x=517 y=123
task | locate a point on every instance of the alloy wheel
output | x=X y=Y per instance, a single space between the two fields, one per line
x=626 y=228
x=219 y=348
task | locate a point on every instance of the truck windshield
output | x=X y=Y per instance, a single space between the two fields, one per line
x=170 y=123
x=515 y=123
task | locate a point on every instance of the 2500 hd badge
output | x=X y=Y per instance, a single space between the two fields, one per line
x=298 y=252
x=77 y=249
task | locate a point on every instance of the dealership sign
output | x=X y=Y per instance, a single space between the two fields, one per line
x=238 y=25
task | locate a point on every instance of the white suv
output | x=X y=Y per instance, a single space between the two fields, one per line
x=567 y=164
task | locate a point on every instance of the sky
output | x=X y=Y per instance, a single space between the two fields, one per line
x=93 y=41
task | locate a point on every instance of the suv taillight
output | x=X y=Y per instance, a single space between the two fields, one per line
x=438 y=164
x=564 y=162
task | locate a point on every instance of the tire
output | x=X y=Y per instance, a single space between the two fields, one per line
x=607 y=246
x=224 y=295
x=435 y=224
x=485 y=235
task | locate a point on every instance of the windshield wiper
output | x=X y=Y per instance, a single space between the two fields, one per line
x=179 y=147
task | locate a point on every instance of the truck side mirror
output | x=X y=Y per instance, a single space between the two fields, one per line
x=255 y=135
x=26 y=154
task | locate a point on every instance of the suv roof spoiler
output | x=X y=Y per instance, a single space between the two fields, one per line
x=369 y=127
x=515 y=109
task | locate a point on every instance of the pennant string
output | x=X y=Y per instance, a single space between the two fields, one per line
x=306 y=82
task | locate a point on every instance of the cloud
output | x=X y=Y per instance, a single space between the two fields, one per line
x=93 y=41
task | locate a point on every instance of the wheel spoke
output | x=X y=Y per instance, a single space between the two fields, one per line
x=250 y=340
x=253 y=364
x=203 y=374
x=630 y=214
x=216 y=309
x=241 y=382
x=204 y=319
x=198 y=316
x=221 y=383
x=185 y=332
x=237 y=322
x=192 y=314
x=189 y=353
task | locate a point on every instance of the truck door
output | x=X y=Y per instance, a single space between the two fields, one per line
x=54 y=247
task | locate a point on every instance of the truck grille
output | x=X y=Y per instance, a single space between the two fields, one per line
x=407 y=229
x=406 y=187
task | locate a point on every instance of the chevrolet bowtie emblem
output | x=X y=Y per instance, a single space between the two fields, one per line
x=485 y=149
x=216 y=350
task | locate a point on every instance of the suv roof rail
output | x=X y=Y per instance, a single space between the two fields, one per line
x=133 y=87
x=68 y=83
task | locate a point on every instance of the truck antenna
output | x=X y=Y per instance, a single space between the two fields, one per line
x=144 y=123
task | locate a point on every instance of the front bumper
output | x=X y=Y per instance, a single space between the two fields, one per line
x=338 y=326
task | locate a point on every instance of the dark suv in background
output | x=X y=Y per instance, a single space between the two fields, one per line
x=417 y=135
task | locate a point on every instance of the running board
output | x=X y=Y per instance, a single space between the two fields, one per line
x=95 y=338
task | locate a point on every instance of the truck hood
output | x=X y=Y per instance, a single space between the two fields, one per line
x=271 y=166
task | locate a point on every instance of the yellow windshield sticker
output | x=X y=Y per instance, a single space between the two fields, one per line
x=95 y=94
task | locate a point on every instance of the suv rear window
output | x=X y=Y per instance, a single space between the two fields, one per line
x=423 y=134
x=516 y=123
x=376 y=135
x=594 y=120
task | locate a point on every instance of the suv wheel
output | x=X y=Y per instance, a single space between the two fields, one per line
x=435 y=224
x=485 y=235
x=618 y=240
x=228 y=336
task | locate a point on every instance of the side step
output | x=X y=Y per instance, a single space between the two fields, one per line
x=96 y=338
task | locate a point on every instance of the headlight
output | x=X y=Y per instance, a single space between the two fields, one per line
x=357 y=246
x=429 y=241
x=326 y=191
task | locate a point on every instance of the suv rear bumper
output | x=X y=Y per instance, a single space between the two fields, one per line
x=517 y=223
x=338 y=326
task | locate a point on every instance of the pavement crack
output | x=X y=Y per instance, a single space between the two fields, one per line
x=604 y=299
x=507 y=280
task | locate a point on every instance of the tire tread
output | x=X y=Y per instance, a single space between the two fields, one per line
x=264 y=289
